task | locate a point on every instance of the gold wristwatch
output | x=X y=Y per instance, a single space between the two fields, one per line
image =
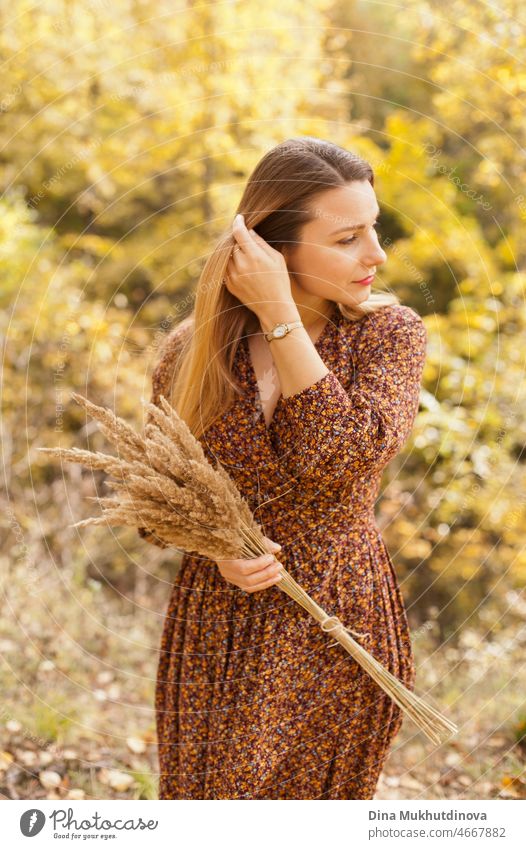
x=281 y=330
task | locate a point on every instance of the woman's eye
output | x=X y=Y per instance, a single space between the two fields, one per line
x=352 y=239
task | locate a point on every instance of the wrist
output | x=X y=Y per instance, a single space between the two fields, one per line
x=280 y=314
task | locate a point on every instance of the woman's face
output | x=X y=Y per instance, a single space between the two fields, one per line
x=333 y=254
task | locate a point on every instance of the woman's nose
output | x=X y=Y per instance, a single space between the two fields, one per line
x=382 y=256
x=373 y=258
x=374 y=255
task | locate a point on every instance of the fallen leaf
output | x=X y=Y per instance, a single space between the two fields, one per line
x=136 y=745
x=497 y=741
x=76 y=793
x=410 y=783
x=447 y=777
x=119 y=781
x=27 y=757
x=48 y=778
x=6 y=759
x=484 y=788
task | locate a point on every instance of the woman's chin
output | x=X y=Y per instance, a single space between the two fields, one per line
x=358 y=296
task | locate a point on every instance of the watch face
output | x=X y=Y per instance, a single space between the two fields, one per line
x=280 y=330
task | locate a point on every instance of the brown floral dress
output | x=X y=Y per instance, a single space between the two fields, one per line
x=253 y=699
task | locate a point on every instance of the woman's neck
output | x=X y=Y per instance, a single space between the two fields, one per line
x=313 y=316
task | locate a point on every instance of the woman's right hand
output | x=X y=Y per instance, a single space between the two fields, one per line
x=254 y=574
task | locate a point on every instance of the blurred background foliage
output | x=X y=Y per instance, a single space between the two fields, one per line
x=129 y=129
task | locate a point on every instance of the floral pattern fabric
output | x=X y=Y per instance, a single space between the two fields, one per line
x=253 y=699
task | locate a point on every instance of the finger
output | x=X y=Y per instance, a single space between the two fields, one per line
x=245 y=238
x=237 y=254
x=240 y=233
x=260 y=242
x=264 y=574
x=231 y=562
x=274 y=546
x=251 y=567
x=265 y=585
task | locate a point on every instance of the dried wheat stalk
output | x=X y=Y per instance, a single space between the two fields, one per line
x=166 y=483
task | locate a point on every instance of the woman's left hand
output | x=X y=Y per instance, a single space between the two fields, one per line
x=258 y=274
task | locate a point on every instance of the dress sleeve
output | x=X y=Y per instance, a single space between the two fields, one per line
x=333 y=435
x=162 y=377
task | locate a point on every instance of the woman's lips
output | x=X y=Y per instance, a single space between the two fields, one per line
x=365 y=281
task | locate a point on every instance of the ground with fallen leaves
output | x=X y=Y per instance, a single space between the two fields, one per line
x=77 y=720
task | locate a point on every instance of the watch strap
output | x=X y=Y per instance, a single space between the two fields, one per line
x=287 y=325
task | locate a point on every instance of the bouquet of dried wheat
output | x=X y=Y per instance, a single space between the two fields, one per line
x=164 y=482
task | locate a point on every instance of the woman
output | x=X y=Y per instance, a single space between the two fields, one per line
x=253 y=699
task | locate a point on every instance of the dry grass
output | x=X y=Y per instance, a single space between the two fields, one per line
x=166 y=484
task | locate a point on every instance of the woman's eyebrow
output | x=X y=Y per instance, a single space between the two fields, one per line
x=353 y=226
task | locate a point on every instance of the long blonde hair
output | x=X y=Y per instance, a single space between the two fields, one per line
x=276 y=203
